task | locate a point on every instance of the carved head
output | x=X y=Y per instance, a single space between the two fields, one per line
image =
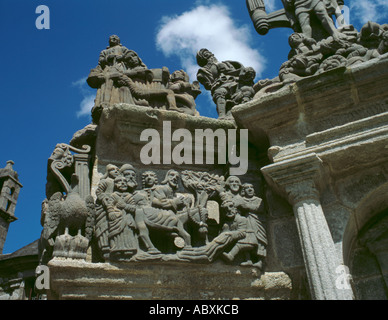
x=295 y=40
x=203 y=57
x=179 y=75
x=172 y=178
x=121 y=184
x=61 y=153
x=229 y=209
x=233 y=184
x=114 y=41
x=132 y=59
x=247 y=190
x=247 y=75
x=149 y=179
x=112 y=171
x=129 y=172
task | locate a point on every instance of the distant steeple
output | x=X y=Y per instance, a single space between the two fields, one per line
x=9 y=193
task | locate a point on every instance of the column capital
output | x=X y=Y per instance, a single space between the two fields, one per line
x=296 y=179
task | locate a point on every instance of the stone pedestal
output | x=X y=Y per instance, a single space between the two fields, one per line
x=72 y=279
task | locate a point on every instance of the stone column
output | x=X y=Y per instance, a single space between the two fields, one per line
x=82 y=171
x=296 y=180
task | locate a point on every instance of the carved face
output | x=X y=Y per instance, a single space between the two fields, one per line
x=114 y=40
x=149 y=179
x=248 y=74
x=249 y=190
x=230 y=209
x=203 y=56
x=57 y=153
x=113 y=172
x=130 y=175
x=295 y=40
x=121 y=183
x=173 y=178
x=132 y=59
x=234 y=184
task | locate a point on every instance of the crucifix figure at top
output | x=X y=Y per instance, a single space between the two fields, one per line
x=313 y=18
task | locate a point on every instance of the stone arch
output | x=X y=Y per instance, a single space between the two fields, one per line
x=365 y=236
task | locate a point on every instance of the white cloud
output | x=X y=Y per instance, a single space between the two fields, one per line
x=211 y=27
x=270 y=5
x=369 y=10
x=86 y=106
x=87 y=102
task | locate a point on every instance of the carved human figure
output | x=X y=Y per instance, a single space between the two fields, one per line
x=304 y=58
x=137 y=201
x=185 y=92
x=149 y=182
x=104 y=189
x=221 y=78
x=163 y=219
x=245 y=91
x=111 y=65
x=165 y=194
x=135 y=79
x=252 y=208
x=303 y=9
x=122 y=240
x=232 y=189
x=240 y=226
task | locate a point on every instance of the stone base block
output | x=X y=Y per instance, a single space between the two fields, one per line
x=74 y=279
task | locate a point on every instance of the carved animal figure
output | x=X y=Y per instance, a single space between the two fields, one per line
x=65 y=215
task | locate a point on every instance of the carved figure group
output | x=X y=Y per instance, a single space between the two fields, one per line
x=122 y=77
x=308 y=57
x=317 y=44
x=130 y=223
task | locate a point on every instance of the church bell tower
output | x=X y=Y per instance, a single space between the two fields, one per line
x=9 y=192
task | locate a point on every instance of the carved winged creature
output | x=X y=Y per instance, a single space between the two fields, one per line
x=65 y=215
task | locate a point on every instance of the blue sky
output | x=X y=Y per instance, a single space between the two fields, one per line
x=44 y=96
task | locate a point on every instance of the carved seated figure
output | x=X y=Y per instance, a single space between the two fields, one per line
x=122 y=77
x=162 y=219
x=185 y=92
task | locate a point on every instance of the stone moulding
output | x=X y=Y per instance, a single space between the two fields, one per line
x=325 y=114
x=71 y=279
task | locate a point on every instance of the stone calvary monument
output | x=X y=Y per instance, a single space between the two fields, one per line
x=309 y=207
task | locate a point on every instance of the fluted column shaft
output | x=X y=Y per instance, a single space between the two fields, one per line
x=296 y=179
x=82 y=171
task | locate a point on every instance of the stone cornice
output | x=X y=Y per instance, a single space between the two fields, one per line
x=295 y=179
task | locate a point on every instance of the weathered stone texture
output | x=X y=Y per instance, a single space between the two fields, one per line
x=82 y=280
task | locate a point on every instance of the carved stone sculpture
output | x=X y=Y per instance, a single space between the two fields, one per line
x=317 y=44
x=309 y=57
x=229 y=82
x=313 y=18
x=67 y=218
x=155 y=222
x=122 y=77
